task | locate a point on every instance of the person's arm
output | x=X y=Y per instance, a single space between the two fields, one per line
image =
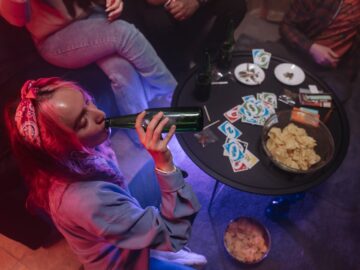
x=289 y=29
x=107 y=211
x=15 y=12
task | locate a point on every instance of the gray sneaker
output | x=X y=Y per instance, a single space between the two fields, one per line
x=183 y=256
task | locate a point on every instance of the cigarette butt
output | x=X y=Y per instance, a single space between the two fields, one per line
x=219 y=83
x=207 y=113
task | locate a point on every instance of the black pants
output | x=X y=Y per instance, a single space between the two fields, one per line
x=179 y=42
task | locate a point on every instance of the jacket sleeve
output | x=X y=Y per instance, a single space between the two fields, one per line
x=110 y=213
x=290 y=30
x=15 y=12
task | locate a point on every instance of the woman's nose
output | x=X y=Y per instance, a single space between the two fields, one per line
x=99 y=115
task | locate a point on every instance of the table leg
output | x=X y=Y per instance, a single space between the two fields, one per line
x=279 y=206
x=214 y=193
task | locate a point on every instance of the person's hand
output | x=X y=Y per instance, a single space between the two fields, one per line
x=151 y=139
x=324 y=55
x=182 y=9
x=114 y=9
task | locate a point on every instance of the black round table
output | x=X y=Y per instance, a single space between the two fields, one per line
x=264 y=177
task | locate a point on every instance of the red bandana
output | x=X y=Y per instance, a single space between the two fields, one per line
x=25 y=116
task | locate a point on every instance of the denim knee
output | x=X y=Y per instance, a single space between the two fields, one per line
x=124 y=31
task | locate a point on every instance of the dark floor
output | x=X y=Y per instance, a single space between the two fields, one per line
x=321 y=231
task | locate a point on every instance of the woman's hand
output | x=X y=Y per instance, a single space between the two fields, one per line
x=114 y=9
x=151 y=139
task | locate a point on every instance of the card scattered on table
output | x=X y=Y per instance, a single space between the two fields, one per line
x=229 y=130
x=253 y=110
x=261 y=58
x=256 y=111
x=233 y=114
x=241 y=159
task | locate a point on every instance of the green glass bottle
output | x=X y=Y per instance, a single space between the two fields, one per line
x=203 y=79
x=226 y=49
x=186 y=119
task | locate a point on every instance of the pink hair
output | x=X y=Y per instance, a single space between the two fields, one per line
x=41 y=165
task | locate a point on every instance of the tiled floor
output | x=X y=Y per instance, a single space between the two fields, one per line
x=15 y=256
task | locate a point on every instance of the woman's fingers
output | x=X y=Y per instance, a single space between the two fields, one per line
x=169 y=135
x=151 y=128
x=156 y=138
x=151 y=138
x=138 y=126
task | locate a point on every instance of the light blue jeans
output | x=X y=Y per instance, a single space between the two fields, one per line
x=136 y=72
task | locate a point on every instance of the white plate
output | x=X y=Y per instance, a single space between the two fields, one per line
x=253 y=74
x=289 y=74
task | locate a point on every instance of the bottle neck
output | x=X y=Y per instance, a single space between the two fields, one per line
x=124 y=121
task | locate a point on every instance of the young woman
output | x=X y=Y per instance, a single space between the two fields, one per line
x=58 y=136
x=75 y=33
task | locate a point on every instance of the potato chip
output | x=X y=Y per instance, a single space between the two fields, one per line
x=292 y=147
x=245 y=241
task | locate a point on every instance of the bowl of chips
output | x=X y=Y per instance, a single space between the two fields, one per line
x=297 y=141
x=247 y=240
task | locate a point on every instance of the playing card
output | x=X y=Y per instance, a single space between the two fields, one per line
x=234 y=150
x=226 y=153
x=229 y=130
x=249 y=120
x=270 y=107
x=269 y=98
x=262 y=59
x=247 y=109
x=238 y=166
x=233 y=114
x=255 y=52
x=249 y=98
x=250 y=159
x=243 y=145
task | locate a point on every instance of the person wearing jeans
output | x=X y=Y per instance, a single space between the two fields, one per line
x=95 y=34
